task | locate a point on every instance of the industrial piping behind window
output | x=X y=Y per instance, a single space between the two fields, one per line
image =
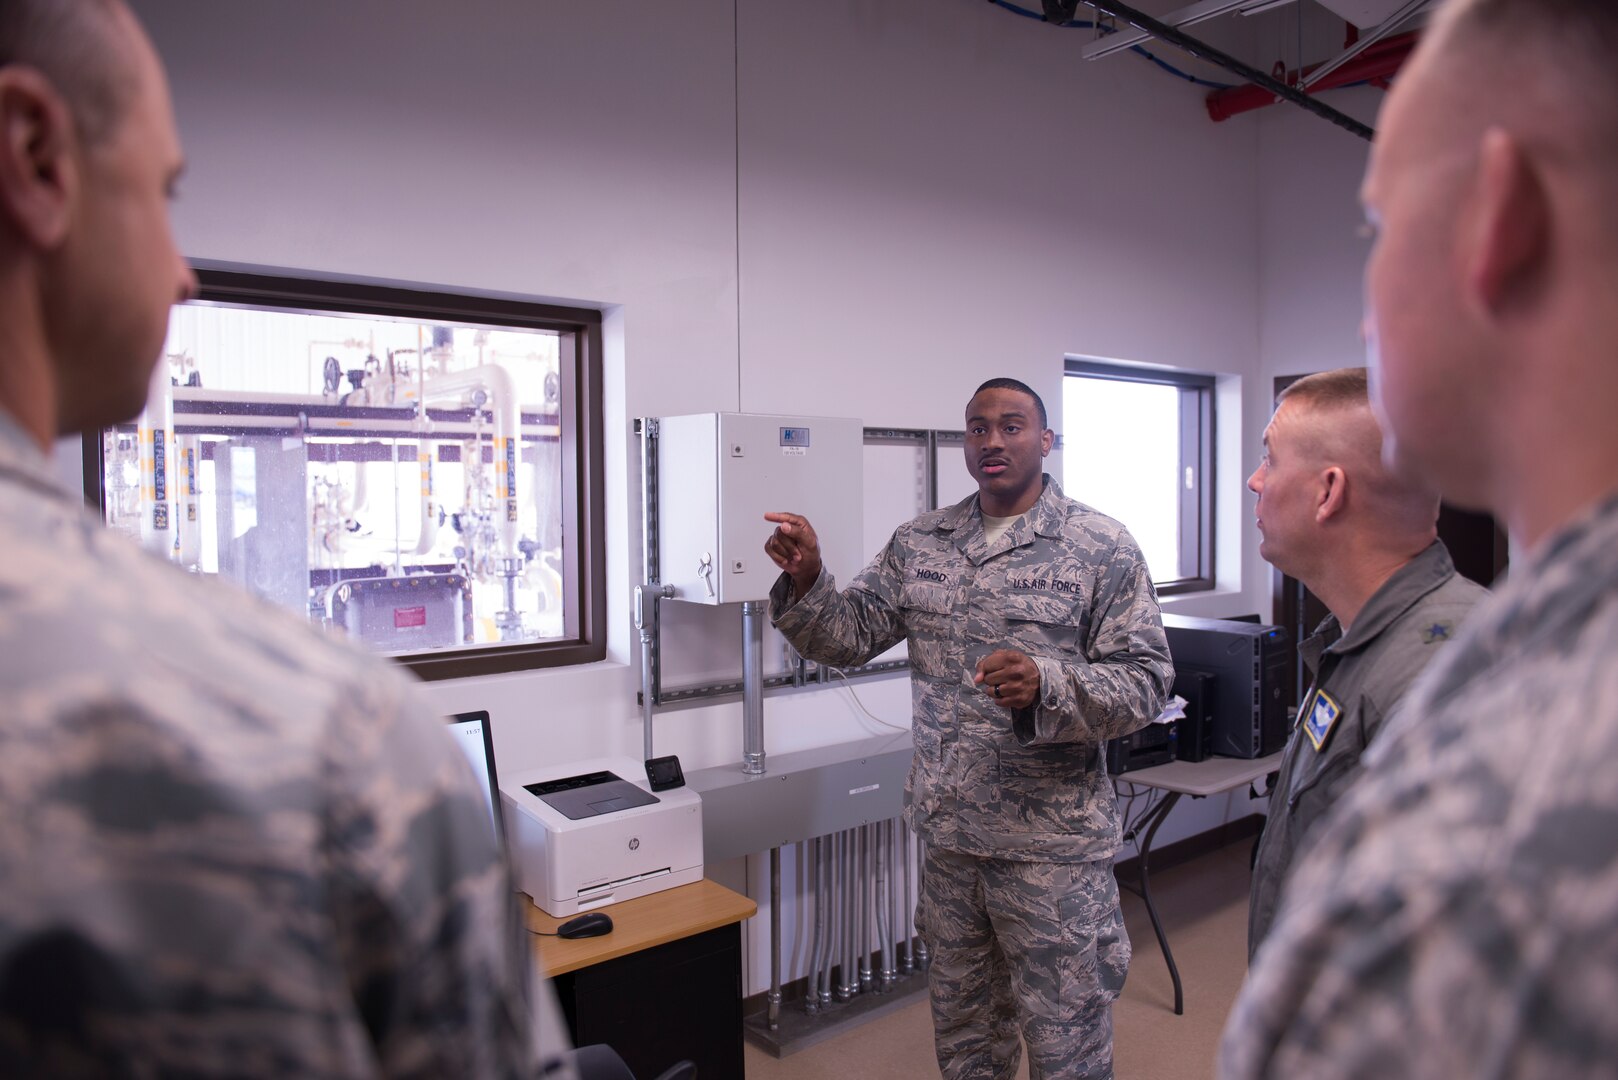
x=419 y=470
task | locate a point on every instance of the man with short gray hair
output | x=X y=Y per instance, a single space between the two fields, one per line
x=1364 y=541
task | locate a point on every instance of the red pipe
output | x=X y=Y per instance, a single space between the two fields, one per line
x=1379 y=62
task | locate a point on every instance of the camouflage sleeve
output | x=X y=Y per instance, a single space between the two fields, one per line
x=844 y=629
x=1469 y=977
x=426 y=918
x=1121 y=682
x=1445 y=922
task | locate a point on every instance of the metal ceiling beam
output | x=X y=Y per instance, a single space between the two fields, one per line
x=1383 y=29
x=1186 y=16
x=1203 y=51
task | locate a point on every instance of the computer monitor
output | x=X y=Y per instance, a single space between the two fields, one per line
x=476 y=738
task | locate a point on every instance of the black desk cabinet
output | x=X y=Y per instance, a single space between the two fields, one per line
x=679 y=1000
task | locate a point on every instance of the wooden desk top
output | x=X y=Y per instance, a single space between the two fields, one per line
x=639 y=924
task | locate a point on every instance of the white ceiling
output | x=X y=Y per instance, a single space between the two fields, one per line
x=1363 y=13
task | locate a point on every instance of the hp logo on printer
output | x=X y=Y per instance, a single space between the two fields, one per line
x=634 y=843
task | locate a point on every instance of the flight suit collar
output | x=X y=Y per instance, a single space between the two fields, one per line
x=1412 y=581
x=1314 y=646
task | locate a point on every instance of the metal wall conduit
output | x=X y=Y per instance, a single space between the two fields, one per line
x=863 y=886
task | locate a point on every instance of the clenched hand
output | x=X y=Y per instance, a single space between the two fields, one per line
x=795 y=548
x=1010 y=677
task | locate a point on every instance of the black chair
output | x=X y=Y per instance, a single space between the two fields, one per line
x=601 y=1062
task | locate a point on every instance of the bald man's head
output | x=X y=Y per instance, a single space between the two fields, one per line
x=1493 y=192
x=1541 y=70
x=1572 y=38
x=81 y=48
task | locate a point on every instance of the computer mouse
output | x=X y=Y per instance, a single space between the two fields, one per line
x=590 y=924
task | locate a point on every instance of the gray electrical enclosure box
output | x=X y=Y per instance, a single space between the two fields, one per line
x=719 y=473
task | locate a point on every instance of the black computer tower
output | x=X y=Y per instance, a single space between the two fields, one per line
x=1249 y=662
x=1194 y=731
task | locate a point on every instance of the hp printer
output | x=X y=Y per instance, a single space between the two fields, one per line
x=591 y=833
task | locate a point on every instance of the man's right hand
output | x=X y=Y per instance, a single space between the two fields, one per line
x=794 y=547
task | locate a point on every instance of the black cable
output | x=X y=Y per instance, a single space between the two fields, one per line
x=1131 y=821
x=1085 y=24
x=1203 y=51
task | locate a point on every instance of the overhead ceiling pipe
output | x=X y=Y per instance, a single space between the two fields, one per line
x=1376 y=65
x=1203 y=51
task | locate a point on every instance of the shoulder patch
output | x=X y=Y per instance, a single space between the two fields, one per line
x=1323 y=715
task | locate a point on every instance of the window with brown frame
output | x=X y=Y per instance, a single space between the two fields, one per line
x=416 y=469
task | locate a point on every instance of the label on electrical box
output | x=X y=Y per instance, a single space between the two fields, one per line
x=794 y=451
x=795 y=436
x=863 y=790
x=406 y=618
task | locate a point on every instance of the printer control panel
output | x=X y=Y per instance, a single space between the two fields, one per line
x=590 y=794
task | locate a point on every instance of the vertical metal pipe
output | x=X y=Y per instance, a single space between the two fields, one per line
x=890 y=949
x=921 y=887
x=835 y=957
x=907 y=920
x=754 y=613
x=856 y=946
x=896 y=899
x=930 y=470
x=850 y=891
x=775 y=939
x=824 y=991
x=646 y=598
x=811 y=996
x=648 y=496
x=645 y=685
x=863 y=942
x=884 y=904
x=844 y=910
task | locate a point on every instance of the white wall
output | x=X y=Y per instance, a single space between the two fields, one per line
x=1311 y=254
x=847 y=208
x=1311 y=257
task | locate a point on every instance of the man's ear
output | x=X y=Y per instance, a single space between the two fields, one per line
x=38 y=175
x=1507 y=226
x=1047 y=439
x=1333 y=493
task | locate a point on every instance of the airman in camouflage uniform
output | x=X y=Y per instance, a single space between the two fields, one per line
x=1028 y=650
x=1458 y=915
x=228 y=847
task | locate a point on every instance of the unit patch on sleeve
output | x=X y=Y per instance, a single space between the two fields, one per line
x=1323 y=715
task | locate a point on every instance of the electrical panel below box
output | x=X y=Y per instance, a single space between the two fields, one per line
x=718 y=474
